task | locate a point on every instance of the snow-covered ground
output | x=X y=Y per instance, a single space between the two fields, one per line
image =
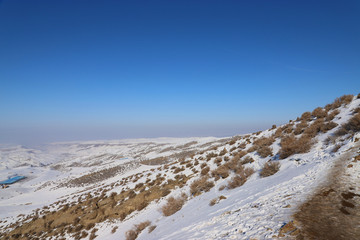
x=256 y=210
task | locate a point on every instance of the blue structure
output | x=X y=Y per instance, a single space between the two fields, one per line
x=12 y=180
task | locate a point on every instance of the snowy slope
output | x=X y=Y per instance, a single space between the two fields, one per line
x=67 y=172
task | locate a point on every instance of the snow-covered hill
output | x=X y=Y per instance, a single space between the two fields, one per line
x=244 y=187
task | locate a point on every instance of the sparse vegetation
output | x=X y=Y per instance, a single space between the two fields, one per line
x=220 y=172
x=201 y=185
x=173 y=205
x=156 y=161
x=291 y=145
x=133 y=233
x=216 y=200
x=351 y=127
x=270 y=168
x=241 y=177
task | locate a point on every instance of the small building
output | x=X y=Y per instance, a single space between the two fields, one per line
x=4 y=184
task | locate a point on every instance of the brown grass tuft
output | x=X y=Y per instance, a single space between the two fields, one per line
x=173 y=205
x=201 y=185
x=270 y=168
x=319 y=113
x=306 y=116
x=291 y=145
x=300 y=127
x=133 y=233
x=352 y=126
x=241 y=177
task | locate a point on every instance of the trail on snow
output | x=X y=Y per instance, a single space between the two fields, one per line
x=332 y=212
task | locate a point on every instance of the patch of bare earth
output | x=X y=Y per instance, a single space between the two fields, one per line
x=332 y=212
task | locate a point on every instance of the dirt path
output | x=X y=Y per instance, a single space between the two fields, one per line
x=333 y=212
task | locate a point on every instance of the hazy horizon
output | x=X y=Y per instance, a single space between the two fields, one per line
x=90 y=70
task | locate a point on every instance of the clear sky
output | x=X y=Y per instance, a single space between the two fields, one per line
x=87 y=70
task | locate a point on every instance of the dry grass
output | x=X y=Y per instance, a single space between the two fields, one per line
x=319 y=112
x=220 y=172
x=113 y=230
x=201 y=185
x=262 y=146
x=156 y=161
x=332 y=115
x=336 y=148
x=173 y=205
x=216 y=200
x=300 y=127
x=133 y=233
x=242 y=174
x=270 y=168
x=265 y=151
x=205 y=171
x=306 y=116
x=351 y=127
x=345 y=99
x=223 y=152
x=247 y=160
x=291 y=145
x=152 y=228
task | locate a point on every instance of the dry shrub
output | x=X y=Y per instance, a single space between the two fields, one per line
x=278 y=133
x=213 y=201
x=205 y=171
x=173 y=205
x=223 y=152
x=356 y=110
x=332 y=115
x=319 y=113
x=261 y=145
x=345 y=99
x=270 y=168
x=201 y=185
x=288 y=128
x=300 y=127
x=291 y=145
x=336 y=148
x=242 y=146
x=216 y=200
x=218 y=161
x=220 y=172
x=232 y=141
x=152 y=228
x=352 y=126
x=211 y=155
x=306 y=116
x=248 y=159
x=241 y=177
x=314 y=128
x=328 y=126
x=114 y=229
x=133 y=233
x=264 y=151
x=156 y=161
x=177 y=170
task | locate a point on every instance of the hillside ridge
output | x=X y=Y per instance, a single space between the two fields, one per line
x=247 y=186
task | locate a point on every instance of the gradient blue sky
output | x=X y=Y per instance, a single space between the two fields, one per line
x=86 y=70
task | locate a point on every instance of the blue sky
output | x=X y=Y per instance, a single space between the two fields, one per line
x=86 y=70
